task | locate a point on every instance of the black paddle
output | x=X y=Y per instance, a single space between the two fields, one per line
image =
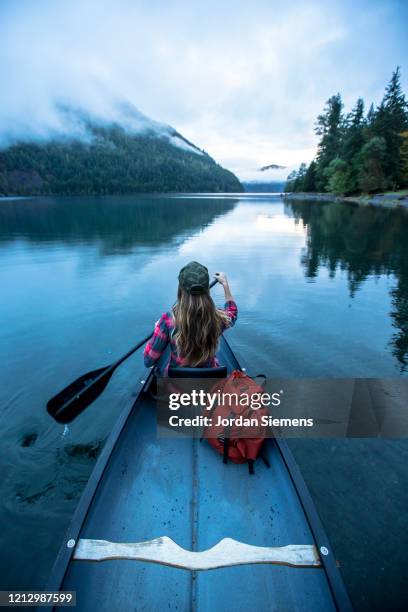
x=71 y=401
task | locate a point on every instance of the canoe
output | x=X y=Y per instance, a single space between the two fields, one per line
x=163 y=524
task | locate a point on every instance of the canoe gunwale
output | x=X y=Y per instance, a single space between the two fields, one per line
x=66 y=552
x=334 y=578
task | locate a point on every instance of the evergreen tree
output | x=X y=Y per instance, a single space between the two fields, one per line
x=300 y=178
x=309 y=183
x=370 y=116
x=290 y=181
x=391 y=119
x=329 y=126
x=352 y=143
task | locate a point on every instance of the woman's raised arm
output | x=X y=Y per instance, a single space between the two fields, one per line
x=222 y=279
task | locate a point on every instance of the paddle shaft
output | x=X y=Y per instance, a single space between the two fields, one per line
x=129 y=353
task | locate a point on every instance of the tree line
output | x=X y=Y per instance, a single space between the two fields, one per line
x=359 y=152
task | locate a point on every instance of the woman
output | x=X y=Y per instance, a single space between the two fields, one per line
x=194 y=326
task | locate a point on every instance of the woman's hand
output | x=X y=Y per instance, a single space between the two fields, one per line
x=221 y=278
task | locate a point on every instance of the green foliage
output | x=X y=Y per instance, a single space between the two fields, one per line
x=290 y=181
x=372 y=158
x=329 y=127
x=404 y=157
x=357 y=153
x=337 y=176
x=113 y=161
x=303 y=179
x=300 y=178
x=390 y=120
x=309 y=183
x=352 y=142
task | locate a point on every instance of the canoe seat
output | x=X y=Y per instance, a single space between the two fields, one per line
x=226 y=553
x=218 y=372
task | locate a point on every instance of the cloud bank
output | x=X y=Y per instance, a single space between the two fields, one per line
x=242 y=80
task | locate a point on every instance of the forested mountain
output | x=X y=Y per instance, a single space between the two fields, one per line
x=111 y=159
x=358 y=152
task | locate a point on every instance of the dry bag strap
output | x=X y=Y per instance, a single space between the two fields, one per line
x=225 y=450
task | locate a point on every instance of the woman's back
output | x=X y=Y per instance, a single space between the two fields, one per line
x=193 y=328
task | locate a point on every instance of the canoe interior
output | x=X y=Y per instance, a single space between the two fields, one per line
x=180 y=488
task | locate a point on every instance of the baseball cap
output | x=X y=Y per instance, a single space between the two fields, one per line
x=194 y=278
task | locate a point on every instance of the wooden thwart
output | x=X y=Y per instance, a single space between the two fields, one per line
x=226 y=553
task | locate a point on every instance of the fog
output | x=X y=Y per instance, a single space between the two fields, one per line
x=244 y=81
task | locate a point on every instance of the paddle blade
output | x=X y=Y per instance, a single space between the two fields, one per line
x=71 y=401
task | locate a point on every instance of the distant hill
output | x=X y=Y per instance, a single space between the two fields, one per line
x=137 y=155
x=263 y=186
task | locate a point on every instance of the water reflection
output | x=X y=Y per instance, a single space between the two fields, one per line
x=84 y=278
x=75 y=276
x=363 y=241
x=116 y=223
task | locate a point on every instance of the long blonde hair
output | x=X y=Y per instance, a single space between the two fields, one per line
x=198 y=327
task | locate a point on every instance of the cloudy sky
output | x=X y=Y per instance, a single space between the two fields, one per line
x=243 y=80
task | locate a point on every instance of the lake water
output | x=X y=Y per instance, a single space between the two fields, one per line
x=322 y=291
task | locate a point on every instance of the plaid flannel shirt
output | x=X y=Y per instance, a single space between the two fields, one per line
x=163 y=335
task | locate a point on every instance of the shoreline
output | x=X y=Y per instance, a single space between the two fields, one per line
x=385 y=200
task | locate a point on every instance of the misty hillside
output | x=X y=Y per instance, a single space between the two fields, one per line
x=108 y=158
x=264 y=187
